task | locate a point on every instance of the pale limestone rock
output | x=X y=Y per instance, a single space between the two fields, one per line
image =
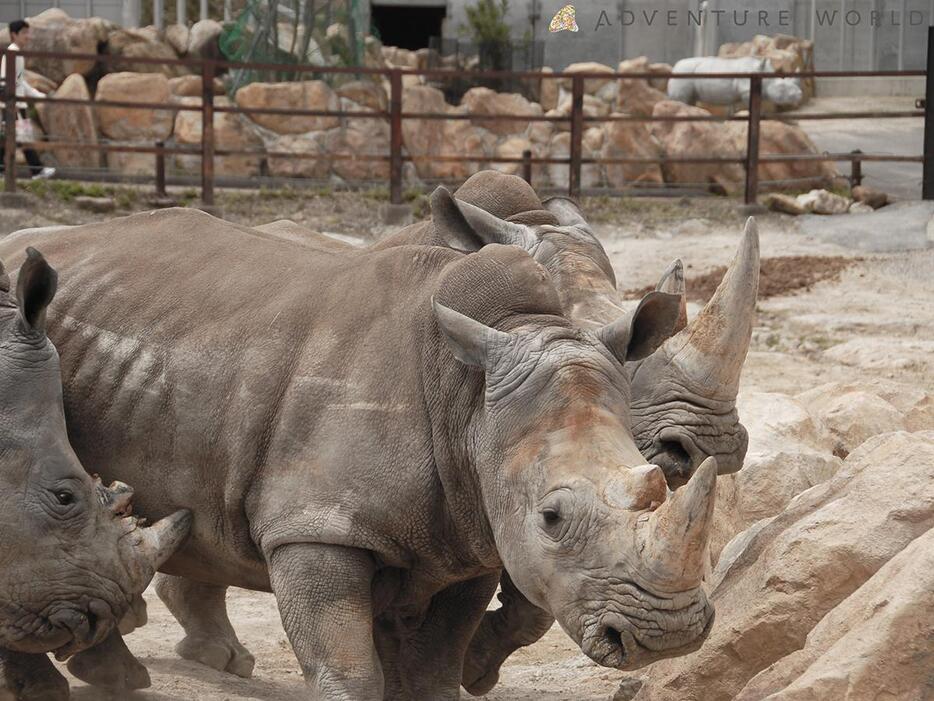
x=124 y=123
x=304 y=95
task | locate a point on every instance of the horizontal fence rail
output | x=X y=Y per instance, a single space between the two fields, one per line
x=576 y=120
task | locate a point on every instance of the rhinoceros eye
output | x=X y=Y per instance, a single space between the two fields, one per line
x=64 y=497
x=551 y=516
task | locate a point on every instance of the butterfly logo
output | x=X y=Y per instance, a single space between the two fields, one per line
x=564 y=20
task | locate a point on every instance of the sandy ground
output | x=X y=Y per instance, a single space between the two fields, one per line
x=876 y=320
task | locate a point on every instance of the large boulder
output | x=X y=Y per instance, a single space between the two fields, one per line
x=54 y=31
x=176 y=36
x=461 y=138
x=781 y=139
x=875 y=645
x=74 y=123
x=559 y=173
x=591 y=85
x=548 y=91
x=636 y=96
x=202 y=38
x=360 y=137
x=231 y=131
x=482 y=101
x=367 y=94
x=424 y=138
x=124 y=123
x=699 y=140
x=190 y=86
x=592 y=107
x=40 y=82
x=914 y=404
x=138 y=43
x=303 y=95
x=130 y=162
x=314 y=161
x=631 y=140
x=778 y=580
x=513 y=147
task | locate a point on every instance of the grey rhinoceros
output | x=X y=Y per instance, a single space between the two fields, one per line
x=349 y=441
x=728 y=91
x=72 y=555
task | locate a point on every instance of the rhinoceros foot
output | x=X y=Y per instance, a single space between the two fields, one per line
x=223 y=654
x=30 y=677
x=110 y=666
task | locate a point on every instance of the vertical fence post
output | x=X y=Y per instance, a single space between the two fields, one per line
x=928 y=187
x=160 y=169
x=9 y=121
x=856 y=169
x=527 y=166
x=395 y=136
x=207 y=132
x=752 y=139
x=577 y=135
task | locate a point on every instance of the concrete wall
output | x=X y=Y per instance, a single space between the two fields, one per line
x=17 y=9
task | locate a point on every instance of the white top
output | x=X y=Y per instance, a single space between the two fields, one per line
x=23 y=88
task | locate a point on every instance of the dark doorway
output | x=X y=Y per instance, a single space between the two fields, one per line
x=406 y=26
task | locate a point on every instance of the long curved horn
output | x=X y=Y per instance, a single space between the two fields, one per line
x=160 y=540
x=712 y=348
x=678 y=530
x=491 y=229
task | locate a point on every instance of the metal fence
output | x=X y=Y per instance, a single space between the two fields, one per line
x=577 y=120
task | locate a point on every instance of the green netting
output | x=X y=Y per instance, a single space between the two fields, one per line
x=294 y=32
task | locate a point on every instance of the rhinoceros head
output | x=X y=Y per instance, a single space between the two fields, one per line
x=585 y=528
x=71 y=555
x=783 y=91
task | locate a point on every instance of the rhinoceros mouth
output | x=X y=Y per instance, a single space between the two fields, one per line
x=632 y=639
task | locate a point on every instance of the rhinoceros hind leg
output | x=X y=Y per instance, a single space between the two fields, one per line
x=110 y=665
x=30 y=677
x=210 y=639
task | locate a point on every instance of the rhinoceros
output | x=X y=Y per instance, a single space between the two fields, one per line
x=728 y=91
x=72 y=555
x=375 y=438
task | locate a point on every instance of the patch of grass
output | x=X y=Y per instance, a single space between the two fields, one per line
x=65 y=190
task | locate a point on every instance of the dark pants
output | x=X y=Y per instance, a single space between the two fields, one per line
x=32 y=158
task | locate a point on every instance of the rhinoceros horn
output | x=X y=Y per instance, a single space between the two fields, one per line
x=712 y=348
x=676 y=538
x=672 y=282
x=160 y=541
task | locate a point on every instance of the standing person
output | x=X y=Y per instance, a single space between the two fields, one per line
x=19 y=39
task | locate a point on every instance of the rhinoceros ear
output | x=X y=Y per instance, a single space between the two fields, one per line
x=4 y=279
x=489 y=228
x=451 y=224
x=639 y=334
x=567 y=211
x=35 y=288
x=471 y=342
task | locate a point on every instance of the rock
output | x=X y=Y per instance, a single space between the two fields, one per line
x=365 y=93
x=358 y=138
x=202 y=38
x=639 y=64
x=875 y=645
x=131 y=163
x=786 y=204
x=54 y=31
x=231 y=131
x=190 y=86
x=860 y=208
x=548 y=92
x=591 y=85
x=135 y=43
x=789 y=452
x=304 y=95
x=399 y=58
x=823 y=202
x=558 y=172
x=914 y=404
x=779 y=138
x=870 y=196
x=424 y=138
x=460 y=137
x=40 y=82
x=697 y=139
x=628 y=688
x=310 y=144
x=662 y=70
x=637 y=97
x=631 y=140
x=540 y=132
x=95 y=204
x=373 y=52
x=593 y=107
x=854 y=417
x=513 y=147
x=802 y=564
x=177 y=36
x=481 y=101
x=124 y=123
x=74 y=123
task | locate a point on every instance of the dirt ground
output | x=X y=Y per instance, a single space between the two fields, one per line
x=871 y=316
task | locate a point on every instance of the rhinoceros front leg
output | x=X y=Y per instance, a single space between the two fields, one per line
x=324 y=597
x=110 y=665
x=517 y=623
x=26 y=677
x=210 y=639
x=431 y=659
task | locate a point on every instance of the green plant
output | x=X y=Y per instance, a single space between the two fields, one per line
x=487 y=21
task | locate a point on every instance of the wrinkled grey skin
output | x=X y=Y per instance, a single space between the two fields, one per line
x=501 y=428
x=728 y=91
x=72 y=557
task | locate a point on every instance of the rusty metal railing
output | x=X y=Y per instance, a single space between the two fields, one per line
x=577 y=120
